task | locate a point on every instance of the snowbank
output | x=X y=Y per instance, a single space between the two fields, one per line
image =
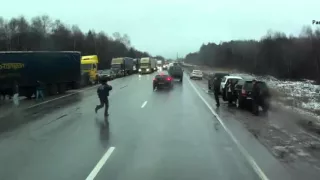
x=300 y=94
x=303 y=93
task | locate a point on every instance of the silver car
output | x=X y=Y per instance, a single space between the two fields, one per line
x=108 y=73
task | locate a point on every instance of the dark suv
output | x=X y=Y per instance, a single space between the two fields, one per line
x=162 y=80
x=243 y=91
x=176 y=72
x=212 y=76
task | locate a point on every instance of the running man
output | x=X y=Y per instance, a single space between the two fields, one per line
x=103 y=93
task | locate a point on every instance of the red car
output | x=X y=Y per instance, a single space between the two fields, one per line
x=162 y=80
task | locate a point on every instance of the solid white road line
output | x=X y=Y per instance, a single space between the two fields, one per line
x=249 y=158
x=45 y=102
x=100 y=164
x=144 y=104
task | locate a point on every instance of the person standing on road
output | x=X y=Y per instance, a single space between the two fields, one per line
x=2 y=93
x=255 y=97
x=39 y=91
x=103 y=93
x=216 y=89
x=15 y=93
x=230 y=91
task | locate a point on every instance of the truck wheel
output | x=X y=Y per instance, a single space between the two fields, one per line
x=29 y=95
x=61 y=88
x=97 y=80
x=53 y=89
x=29 y=92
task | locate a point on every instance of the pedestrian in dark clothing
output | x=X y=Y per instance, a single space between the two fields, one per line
x=225 y=90
x=216 y=89
x=103 y=93
x=255 y=97
x=39 y=90
x=230 y=90
x=16 y=93
x=2 y=93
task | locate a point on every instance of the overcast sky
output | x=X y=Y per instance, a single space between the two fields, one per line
x=168 y=27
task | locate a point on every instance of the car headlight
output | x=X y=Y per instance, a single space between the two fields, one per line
x=139 y=70
x=148 y=69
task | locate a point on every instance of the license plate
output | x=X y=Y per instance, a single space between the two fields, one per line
x=161 y=83
x=249 y=98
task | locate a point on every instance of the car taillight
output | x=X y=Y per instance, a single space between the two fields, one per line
x=243 y=92
x=169 y=79
x=154 y=79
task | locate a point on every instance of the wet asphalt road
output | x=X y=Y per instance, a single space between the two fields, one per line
x=168 y=134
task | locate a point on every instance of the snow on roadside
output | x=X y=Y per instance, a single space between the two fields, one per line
x=301 y=94
x=305 y=93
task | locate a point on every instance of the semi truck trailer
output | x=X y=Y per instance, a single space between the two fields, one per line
x=58 y=71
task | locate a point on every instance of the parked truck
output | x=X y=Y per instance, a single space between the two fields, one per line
x=89 y=66
x=135 y=65
x=147 y=65
x=159 y=64
x=122 y=66
x=58 y=71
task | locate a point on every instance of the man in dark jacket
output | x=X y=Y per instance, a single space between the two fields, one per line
x=39 y=90
x=230 y=91
x=15 y=93
x=255 y=97
x=216 y=89
x=103 y=93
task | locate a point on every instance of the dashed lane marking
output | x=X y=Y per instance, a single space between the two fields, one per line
x=249 y=158
x=144 y=104
x=100 y=164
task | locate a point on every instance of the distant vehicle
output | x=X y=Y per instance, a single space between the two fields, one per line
x=159 y=64
x=223 y=83
x=135 y=65
x=58 y=71
x=243 y=91
x=147 y=65
x=165 y=67
x=108 y=73
x=89 y=64
x=122 y=66
x=196 y=74
x=212 y=76
x=176 y=72
x=162 y=80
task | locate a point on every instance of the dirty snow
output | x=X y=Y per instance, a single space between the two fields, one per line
x=303 y=94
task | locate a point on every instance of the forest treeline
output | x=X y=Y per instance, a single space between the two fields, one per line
x=275 y=54
x=42 y=33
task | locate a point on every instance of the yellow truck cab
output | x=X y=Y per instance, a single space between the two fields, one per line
x=147 y=65
x=89 y=64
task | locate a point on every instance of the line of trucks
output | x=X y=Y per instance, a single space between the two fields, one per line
x=60 y=71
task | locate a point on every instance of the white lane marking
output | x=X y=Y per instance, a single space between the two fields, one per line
x=100 y=164
x=144 y=104
x=45 y=102
x=249 y=158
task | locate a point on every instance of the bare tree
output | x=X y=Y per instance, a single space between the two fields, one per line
x=43 y=33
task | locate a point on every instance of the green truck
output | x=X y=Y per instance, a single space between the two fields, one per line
x=147 y=65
